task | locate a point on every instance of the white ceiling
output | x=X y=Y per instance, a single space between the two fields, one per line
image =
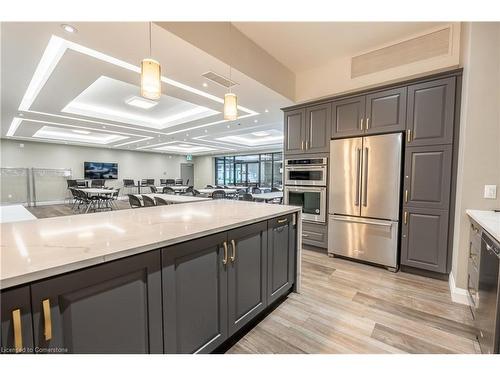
x=301 y=46
x=72 y=88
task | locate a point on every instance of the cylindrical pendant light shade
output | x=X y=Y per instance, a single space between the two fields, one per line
x=230 y=106
x=150 y=79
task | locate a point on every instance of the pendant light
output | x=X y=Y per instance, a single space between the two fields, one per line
x=150 y=75
x=230 y=99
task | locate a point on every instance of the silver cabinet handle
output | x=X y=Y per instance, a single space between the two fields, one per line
x=365 y=177
x=367 y=123
x=358 y=177
x=362 y=221
x=361 y=123
x=302 y=145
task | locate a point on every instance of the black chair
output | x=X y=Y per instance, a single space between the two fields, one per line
x=163 y=182
x=71 y=184
x=170 y=181
x=168 y=190
x=110 y=200
x=148 y=202
x=128 y=184
x=97 y=183
x=161 y=202
x=256 y=190
x=187 y=182
x=247 y=197
x=150 y=181
x=154 y=190
x=219 y=187
x=81 y=183
x=134 y=201
x=196 y=192
x=219 y=194
x=178 y=181
x=209 y=186
x=275 y=190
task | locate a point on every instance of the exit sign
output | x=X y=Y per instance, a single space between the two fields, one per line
x=189 y=157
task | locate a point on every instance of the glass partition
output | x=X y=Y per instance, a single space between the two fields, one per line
x=14 y=186
x=49 y=185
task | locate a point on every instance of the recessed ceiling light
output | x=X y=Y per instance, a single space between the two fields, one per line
x=261 y=134
x=205 y=84
x=228 y=126
x=142 y=103
x=206 y=130
x=20 y=114
x=266 y=110
x=68 y=28
x=80 y=131
x=256 y=121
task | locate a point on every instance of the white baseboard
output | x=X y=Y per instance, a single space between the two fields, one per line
x=458 y=295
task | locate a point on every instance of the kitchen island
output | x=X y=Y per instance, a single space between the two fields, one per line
x=168 y=279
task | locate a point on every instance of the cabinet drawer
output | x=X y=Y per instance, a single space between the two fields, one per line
x=475 y=238
x=315 y=235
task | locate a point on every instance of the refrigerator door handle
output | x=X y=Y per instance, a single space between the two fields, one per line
x=358 y=176
x=363 y=221
x=365 y=177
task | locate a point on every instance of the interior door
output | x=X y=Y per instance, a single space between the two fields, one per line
x=187 y=173
x=381 y=176
x=345 y=176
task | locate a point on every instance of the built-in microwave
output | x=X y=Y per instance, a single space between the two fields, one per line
x=306 y=172
x=312 y=199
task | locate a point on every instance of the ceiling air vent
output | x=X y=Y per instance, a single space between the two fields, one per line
x=218 y=79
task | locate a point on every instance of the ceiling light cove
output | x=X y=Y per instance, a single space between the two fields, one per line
x=51 y=132
x=142 y=103
x=185 y=148
x=255 y=139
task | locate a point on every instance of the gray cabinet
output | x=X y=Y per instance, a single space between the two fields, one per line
x=247 y=274
x=16 y=330
x=431 y=108
x=281 y=257
x=194 y=280
x=424 y=239
x=295 y=131
x=386 y=111
x=428 y=176
x=347 y=117
x=315 y=234
x=317 y=132
x=110 y=308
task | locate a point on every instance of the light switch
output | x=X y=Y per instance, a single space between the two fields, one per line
x=490 y=191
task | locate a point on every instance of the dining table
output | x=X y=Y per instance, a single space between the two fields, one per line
x=175 y=199
x=209 y=192
x=176 y=188
x=266 y=197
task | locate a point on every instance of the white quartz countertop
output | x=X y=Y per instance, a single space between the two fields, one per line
x=488 y=220
x=32 y=250
x=15 y=212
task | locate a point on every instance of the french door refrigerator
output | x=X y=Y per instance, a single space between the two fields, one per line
x=364 y=198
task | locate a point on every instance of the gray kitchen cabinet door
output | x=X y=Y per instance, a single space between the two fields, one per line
x=427 y=176
x=425 y=239
x=247 y=276
x=110 y=308
x=281 y=257
x=348 y=117
x=431 y=108
x=318 y=124
x=16 y=330
x=295 y=131
x=386 y=111
x=195 y=295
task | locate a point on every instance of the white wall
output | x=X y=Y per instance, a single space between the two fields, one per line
x=479 y=146
x=335 y=77
x=131 y=164
x=204 y=172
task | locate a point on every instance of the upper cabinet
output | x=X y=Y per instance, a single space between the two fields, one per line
x=317 y=132
x=348 y=117
x=386 y=111
x=431 y=113
x=380 y=112
x=294 y=131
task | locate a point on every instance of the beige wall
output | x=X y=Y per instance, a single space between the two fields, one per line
x=335 y=77
x=479 y=149
x=204 y=173
x=131 y=164
x=216 y=39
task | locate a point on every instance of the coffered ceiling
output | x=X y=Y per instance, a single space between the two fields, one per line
x=83 y=88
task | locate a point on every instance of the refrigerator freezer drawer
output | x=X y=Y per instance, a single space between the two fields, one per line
x=370 y=240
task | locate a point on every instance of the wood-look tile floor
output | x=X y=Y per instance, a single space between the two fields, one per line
x=348 y=307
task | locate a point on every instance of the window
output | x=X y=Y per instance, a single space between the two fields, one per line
x=263 y=170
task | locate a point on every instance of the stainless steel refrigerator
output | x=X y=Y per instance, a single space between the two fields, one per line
x=364 y=198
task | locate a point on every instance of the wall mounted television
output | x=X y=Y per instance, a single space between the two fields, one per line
x=98 y=171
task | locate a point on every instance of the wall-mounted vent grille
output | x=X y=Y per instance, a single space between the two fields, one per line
x=423 y=47
x=220 y=80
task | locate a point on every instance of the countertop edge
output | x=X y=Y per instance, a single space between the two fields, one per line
x=75 y=266
x=475 y=215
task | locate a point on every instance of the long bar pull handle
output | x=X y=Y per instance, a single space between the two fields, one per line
x=224 y=260
x=302 y=145
x=367 y=123
x=47 y=328
x=406 y=217
x=281 y=221
x=361 y=123
x=365 y=178
x=233 y=254
x=18 y=334
x=358 y=177
x=406 y=196
x=408 y=136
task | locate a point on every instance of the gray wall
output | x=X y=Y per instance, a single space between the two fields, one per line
x=479 y=150
x=204 y=172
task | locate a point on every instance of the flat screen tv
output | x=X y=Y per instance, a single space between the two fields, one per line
x=98 y=171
